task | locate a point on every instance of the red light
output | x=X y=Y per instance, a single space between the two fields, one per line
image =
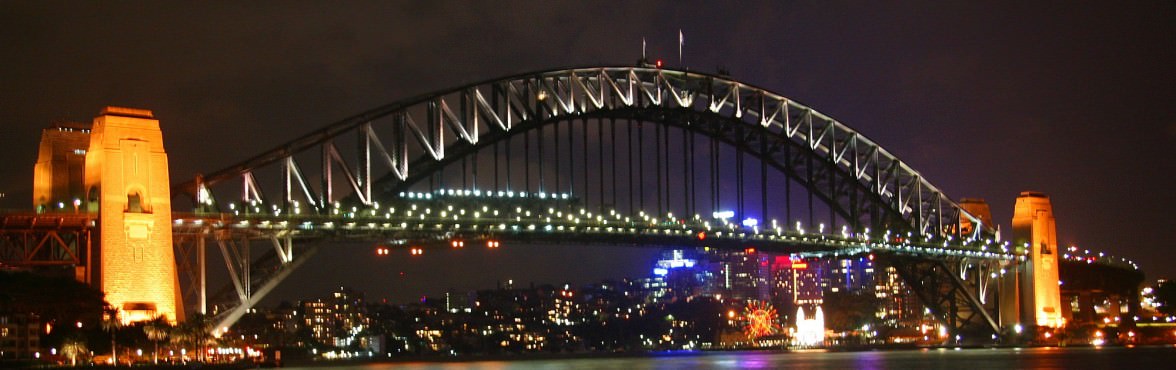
x=492 y=244
x=702 y=235
x=658 y=63
x=871 y=256
x=749 y=250
x=458 y=243
x=799 y=265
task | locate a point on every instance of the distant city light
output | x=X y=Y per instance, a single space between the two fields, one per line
x=750 y=222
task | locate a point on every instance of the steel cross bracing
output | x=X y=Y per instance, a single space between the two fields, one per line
x=252 y=278
x=961 y=301
x=49 y=239
x=867 y=184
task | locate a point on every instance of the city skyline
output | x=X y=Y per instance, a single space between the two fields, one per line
x=1063 y=101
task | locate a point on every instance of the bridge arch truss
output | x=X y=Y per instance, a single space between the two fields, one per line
x=858 y=179
x=407 y=143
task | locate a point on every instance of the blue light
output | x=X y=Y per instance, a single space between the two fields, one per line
x=660 y=271
x=723 y=215
x=750 y=222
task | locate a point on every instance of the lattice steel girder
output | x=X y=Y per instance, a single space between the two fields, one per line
x=832 y=185
x=503 y=107
x=45 y=239
x=251 y=277
x=951 y=299
x=261 y=286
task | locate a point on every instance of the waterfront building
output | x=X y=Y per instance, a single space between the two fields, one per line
x=337 y=320
x=20 y=336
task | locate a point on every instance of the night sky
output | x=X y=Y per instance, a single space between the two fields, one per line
x=985 y=99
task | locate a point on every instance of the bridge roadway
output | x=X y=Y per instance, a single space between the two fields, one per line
x=416 y=222
x=425 y=220
x=440 y=219
x=435 y=220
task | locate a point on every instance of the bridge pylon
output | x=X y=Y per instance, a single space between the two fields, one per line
x=126 y=177
x=1033 y=298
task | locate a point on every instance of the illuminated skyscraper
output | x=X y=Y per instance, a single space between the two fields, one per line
x=677 y=276
x=741 y=275
x=850 y=274
x=798 y=280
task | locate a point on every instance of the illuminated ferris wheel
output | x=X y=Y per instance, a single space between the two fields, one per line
x=760 y=319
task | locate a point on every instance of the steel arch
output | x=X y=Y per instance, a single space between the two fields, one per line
x=491 y=110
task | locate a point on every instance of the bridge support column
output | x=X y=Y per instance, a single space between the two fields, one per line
x=1035 y=235
x=127 y=175
x=1009 y=297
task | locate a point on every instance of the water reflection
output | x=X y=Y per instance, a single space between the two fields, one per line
x=956 y=359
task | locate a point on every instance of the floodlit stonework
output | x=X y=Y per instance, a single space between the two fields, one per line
x=1033 y=227
x=127 y=183
x=61 y=159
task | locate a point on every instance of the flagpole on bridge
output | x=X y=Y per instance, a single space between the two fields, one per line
x=681 y=43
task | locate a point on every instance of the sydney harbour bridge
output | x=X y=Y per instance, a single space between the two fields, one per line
x=618 y=155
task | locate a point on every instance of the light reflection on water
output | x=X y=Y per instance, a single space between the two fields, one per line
x=957 y=359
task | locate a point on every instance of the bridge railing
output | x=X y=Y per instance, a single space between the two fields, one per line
x=422 y=219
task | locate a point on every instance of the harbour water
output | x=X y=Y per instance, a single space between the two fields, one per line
x=1102 y=358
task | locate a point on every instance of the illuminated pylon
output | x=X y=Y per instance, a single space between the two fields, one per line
x=1034 y=230
x=126 y=176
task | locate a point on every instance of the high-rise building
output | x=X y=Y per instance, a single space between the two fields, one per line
x=850 y=274
x=899 y=306
x=798 y=281
x=738 y=275
x=336 y=320
x=677 y=275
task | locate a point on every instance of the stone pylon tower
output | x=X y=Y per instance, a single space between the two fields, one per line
x=977 y=207
x=126 y=182
x=1034 y=229
x=61 y=161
